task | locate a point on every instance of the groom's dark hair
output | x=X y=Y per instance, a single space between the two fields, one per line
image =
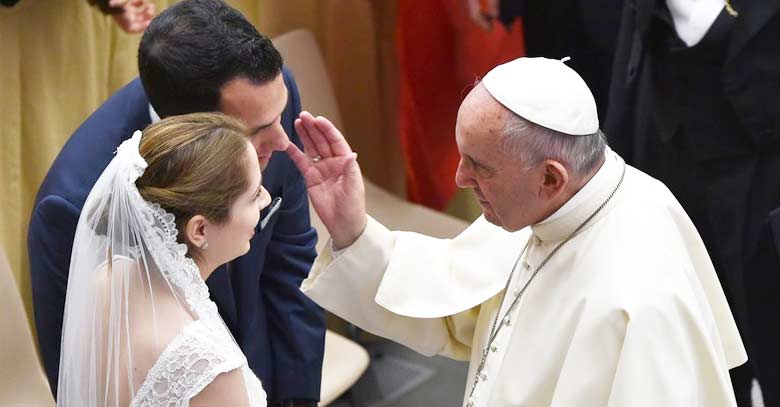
x=195 y=47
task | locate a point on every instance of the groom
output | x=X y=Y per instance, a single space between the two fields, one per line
x=197 y=56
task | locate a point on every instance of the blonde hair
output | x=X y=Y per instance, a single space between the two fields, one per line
x=196 y=166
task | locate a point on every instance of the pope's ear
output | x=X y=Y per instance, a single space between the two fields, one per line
x=555 y=178
x=195 y=230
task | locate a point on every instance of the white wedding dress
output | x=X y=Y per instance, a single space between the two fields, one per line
x=203 y=349
x=139 y=327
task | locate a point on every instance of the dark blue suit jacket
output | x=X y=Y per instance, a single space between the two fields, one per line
x=280 y=330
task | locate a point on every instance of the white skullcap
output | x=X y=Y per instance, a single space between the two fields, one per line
x=546 y=92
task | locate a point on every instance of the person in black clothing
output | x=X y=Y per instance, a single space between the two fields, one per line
x=700 y=110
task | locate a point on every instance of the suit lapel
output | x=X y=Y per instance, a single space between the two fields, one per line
x=753 y=15
x=643 y=11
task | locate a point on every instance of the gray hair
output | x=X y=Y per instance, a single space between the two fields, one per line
x=532 y=144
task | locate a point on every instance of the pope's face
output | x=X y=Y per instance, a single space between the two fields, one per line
x=509 y=193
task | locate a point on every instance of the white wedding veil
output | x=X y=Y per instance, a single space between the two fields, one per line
x=131 y=290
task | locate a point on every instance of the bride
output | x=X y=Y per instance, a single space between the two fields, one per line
x=139 y=328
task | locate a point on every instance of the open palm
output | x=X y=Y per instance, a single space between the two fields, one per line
x=333 y=178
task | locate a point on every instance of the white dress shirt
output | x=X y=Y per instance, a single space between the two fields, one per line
x=692 y=18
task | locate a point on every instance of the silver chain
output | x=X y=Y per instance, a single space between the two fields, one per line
x=496 y=327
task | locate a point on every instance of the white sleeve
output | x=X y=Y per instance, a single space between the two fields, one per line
x=419 y=291
x=347 y=285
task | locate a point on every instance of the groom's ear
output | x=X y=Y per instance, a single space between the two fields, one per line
x=195 y=230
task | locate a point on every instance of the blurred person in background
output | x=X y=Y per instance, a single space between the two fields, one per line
x=440 y=54
x=695 y=102
x=585 y=30
x=132 y=16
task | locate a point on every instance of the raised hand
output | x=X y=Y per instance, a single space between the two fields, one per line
x=135 y=15
x=332 y=177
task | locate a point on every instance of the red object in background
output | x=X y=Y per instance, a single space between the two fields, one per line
x=441 y=54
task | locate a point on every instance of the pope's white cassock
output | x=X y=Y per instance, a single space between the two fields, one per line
x=623 y=311
x=629 y=312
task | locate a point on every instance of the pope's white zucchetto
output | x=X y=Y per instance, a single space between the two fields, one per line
x=546 y=92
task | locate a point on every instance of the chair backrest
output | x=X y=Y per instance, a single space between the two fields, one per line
x=302 y=55
x=22 y=379
x=344 y=362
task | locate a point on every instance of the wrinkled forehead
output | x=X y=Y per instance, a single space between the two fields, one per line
x=481 y=116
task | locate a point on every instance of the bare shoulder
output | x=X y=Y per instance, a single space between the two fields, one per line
x=152 y=299
x=227 y=389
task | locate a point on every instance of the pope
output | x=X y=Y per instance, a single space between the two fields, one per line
x=584 y=283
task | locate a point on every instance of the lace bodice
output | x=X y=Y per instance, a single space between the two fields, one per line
x=192 y=360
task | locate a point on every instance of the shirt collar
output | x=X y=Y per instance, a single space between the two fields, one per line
x=153 y=115
x=565 y=220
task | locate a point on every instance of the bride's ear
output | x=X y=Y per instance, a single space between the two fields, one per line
x=195 y=230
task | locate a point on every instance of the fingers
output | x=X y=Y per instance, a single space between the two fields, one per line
x=321 y=137
x=149 y=12
x=338 y=144
x=136 y=15
x=308 y=145
x=144 y=15
x=320 y=144
x=298 y=158
x=351 y=166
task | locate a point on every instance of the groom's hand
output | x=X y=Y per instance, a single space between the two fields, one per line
x=332 y=177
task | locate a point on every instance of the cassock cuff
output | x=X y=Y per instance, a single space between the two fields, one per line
x=376 y=238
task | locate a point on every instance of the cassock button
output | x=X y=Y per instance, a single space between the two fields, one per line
x=526 y=265
x=494 y=348
x=483 y=376
x=537 y=241
x=471 y=402
x=507 y=321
